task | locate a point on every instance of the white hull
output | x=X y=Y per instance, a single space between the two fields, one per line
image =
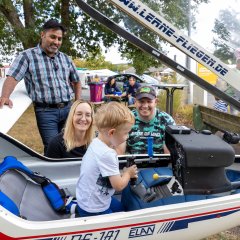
x=21 y=101
x=191 y=220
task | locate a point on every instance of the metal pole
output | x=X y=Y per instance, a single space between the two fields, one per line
x=188 y=59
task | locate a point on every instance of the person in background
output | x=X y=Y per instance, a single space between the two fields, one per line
x=96 y=78
x=99 y=173
x=130 y=90
x=149 y=122
x=78 y=133
x=111 y=89
x=50 y=78
x=228 y=89
x=158 y=76
x=220 y=105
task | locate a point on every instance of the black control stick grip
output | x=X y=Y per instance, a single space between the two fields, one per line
x=130 y=162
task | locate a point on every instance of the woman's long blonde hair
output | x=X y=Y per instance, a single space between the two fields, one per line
x=69 y=130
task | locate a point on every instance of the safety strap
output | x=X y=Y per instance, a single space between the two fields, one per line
x=7 y=203
x=54 y=194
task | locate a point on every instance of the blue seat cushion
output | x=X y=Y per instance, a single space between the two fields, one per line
x=233 y=175
x=132 y=202
x=146 y=176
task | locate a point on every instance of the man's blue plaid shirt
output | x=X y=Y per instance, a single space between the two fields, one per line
x=47 y=79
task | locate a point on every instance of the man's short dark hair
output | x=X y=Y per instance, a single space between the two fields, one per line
x=53 y=24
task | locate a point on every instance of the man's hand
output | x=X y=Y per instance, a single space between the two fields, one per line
x=7 y=89
x=5 y=101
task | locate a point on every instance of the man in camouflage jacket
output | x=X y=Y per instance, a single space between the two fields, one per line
x=149 y=122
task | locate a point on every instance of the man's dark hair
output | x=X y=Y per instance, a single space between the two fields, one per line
x=53 y=24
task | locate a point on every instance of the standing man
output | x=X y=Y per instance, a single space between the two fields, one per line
x=51 y=80
x=149 y=122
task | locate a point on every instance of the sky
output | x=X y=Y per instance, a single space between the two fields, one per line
x=202 y=34
x=206 y=17
x=113 y=56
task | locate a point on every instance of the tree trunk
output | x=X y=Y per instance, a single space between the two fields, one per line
x=10 y=13
x=65 y=4
x=28 y=13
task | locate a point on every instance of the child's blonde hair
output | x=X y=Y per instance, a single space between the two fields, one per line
x=112 y=115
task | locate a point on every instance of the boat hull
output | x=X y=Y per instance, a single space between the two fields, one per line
x=189 y=220
x=192 y=220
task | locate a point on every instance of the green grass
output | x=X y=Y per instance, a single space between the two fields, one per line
x=25 y=130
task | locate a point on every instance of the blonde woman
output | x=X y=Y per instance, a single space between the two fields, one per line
x=77 y=134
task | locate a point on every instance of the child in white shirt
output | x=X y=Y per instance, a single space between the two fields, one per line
x=100 y=175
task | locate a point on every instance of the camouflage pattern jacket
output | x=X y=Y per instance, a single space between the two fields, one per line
x=141 y=130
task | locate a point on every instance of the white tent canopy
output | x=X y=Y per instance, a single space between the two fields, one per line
x=167 y=71
x=101 y=73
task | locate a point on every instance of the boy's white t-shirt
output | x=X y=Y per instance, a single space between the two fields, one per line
x=94 y=190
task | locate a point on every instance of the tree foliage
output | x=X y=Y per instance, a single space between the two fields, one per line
x=227 y=30
x=98 y=62
x=21 y=21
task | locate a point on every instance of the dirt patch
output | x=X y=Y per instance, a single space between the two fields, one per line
x=231 y=234
x=26 y=131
